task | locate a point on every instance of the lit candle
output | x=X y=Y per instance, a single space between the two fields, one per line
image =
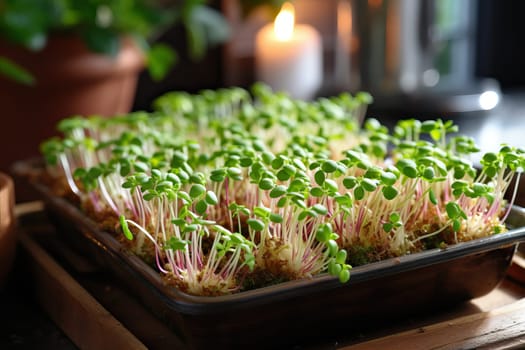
x=288 y=57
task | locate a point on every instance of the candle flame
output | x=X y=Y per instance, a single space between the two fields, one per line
x=284 y=22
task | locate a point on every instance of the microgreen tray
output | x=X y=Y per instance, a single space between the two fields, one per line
x=302 y=312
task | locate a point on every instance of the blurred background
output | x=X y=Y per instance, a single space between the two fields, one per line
x=458 y=60
x=392 y=47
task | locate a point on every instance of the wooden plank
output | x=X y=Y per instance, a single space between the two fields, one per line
x=517 y=269
x=78 y=314
x=502 y=328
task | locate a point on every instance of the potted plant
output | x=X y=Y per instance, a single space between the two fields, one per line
x=59 y=58
x=7 y=226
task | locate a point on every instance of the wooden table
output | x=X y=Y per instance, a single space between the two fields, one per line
x=94 y=311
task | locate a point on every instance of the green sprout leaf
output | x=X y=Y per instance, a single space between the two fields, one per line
x=455 y=213
x=201 y=207
x=490 y=157
x=316 y=192
x=196 y=191
x=211 y=198
x=344 y=275
x=218 y=175
x=359 y=192
x=389 y=192
x=125 y=228
x=387 y=178
x=276 y=218
x=330 y=185
x=278 y=191
x=262 y=212
x=329 y=166
x=429 y=173
x=266 y=184
x=320 y=209
x=255 y=224
x=408 y=168
x=175 y=243
x=332 y=247
x=190 y=227
x=432 y=197
x=324 y=233
x=319 y=177
x=277 y=163
x=340 y=257
x=350 y=182
x=369 y=185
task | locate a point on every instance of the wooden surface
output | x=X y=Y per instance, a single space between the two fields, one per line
x=92 y=309
x=97 y=313
x=79 y=315
x=517 y=269
x=502 y=328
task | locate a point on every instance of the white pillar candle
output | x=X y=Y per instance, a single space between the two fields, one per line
x=288 y=57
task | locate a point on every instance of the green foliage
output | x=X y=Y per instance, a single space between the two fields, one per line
x=102 y=23
x=15 y=72
x=225 y=185
x=125 y=228
x=175 y=243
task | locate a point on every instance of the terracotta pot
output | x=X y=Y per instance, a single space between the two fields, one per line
x=7 y=226
x=70 y=80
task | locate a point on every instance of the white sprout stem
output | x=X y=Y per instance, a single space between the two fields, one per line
x=148 y=235
x=430 y=234
x=69 y=176
x=514 y=193
x=107 y=197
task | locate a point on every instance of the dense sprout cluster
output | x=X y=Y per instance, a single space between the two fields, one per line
x=229 y=190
